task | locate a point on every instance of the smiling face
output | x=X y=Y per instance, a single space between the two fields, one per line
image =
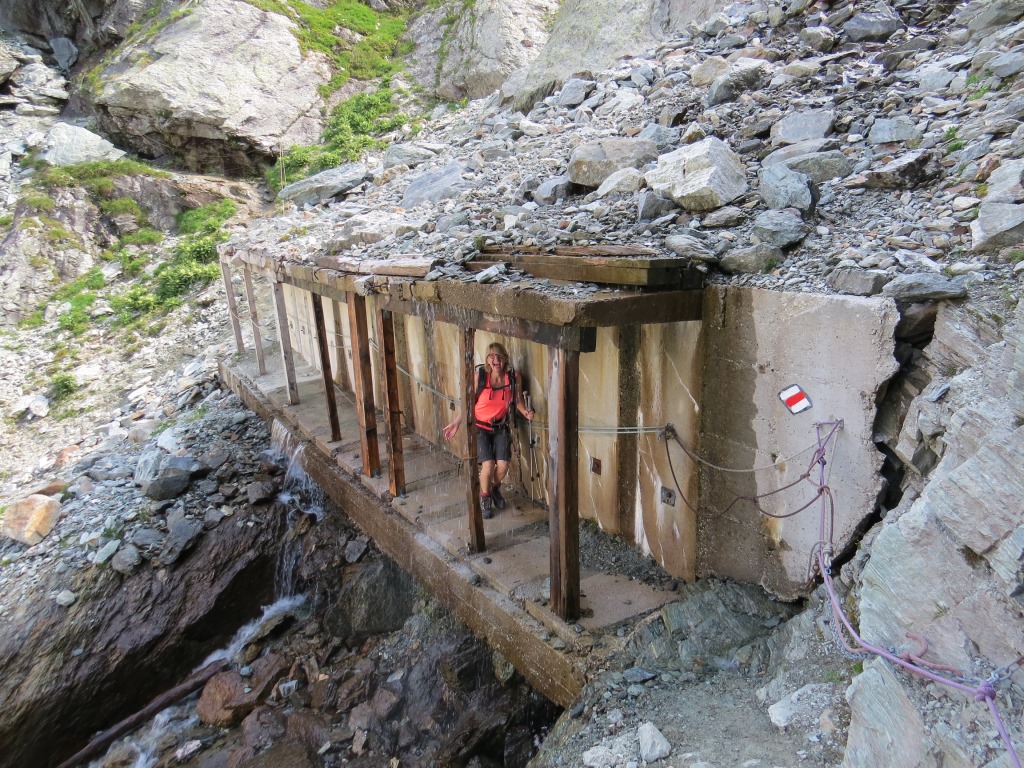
x=497 y=358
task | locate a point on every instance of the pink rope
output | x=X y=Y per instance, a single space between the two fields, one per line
x=984 y=691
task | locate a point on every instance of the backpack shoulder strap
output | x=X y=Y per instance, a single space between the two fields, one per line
x=481 y=379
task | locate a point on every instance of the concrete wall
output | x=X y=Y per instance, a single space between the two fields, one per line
x=839 y=349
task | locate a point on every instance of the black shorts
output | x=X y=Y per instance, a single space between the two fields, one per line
x=493 y=446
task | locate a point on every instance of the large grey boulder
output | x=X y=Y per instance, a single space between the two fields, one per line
x=780 y=228
x=468 y=51
x=408 y=154
x=223 y=88
x=701 y=176
x=67 y=144
x=924 y=286
x=744 y=75
x=877 y=26
x=894 y=129
x=998 y=225
x=325 y=185
x=803 y=125
x=751 y=260
x=434 y=186
x=1006 y=183
x=782 y=187
x=905 y=172
x=590 y=164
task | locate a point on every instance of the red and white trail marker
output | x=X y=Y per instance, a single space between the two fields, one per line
x=795 y=399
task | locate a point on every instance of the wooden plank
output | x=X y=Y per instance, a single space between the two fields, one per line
x=563 y=516
x=397 y=266
x=229 y=292
x=405 y=390
x=341 y=375
x=627 y=446
x=390 y=402
x=325 y=365
x=612 y=251
x=566 y=337
x=257 y=338
x=362 y=385
x=285 y=342
x=642 y=276
x=477 y=542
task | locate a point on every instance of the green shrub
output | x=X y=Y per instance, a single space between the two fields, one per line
x=35 y=320
x=123 y=205
x=202 y=249
x=137 y=300
x=143 y=236
x=38 y=202
x=177 y=279
x=62 y=386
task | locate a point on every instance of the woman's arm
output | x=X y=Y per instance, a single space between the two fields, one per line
x=521 y=399
x=451 y=429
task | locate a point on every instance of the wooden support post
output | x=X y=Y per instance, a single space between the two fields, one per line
x=405 y=390
x=363 y=385
x=257 y=340
x=285 y=339
x=340 y=375
x=325 y=365
x=467 y=377
x=563 y=517
x=628 y=445
x=229 y=292
x=391 y=403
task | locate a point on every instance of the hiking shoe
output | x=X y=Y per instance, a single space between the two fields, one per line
x=486 y=507
x=499 y=500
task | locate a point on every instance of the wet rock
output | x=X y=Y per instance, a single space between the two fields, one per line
x=591 y=163
x=170 y=482
x=924 y=287
x=65 y=598
x=181 y=536
x=261 y=491
x=228 y=697
x=653 y=745
x=701 y=176
x=375 y=598
x=325 y=185
x=31 y=519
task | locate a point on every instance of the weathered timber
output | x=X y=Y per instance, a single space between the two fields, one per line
x=325 y=365
x=579 y=339
x=390 y=403
x=161 y=702
x=284 y=339
x=467 y=377
x=572 y=270
x=405 y=390
x=397 y=266
x=340 y=375
x=362 y=385
x=229 y=292
x=257 y=338
x=627 y=446
x=503 y=623
x=563 y=516
x=605 y=251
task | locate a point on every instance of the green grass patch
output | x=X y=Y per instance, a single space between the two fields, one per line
x=38 y=202
x=143 y=236
x=352 y=128
x=34 y=320
x=121 y=206
x=206 y=219
x=95 y=177
x=1016 y=256
x=375 y=54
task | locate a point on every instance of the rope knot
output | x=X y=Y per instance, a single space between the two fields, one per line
x=986 y=692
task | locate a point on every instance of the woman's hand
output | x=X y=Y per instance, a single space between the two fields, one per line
x=451 y=429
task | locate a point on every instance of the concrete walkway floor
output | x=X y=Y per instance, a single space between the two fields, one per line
x=500 y=592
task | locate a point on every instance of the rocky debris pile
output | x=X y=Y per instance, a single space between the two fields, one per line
x=785 y=149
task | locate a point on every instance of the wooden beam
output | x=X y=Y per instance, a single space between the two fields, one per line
x=477 y=543
x=391 y=402
x=362 y=385
x=600 y=251
x=229 y=292
x=570 y=269
x=257 y=339
x=340 y=375
x=563 y=517
x=395 y=266
x=285 y=340
x=579 y=339
x=627 y=446
x=405 y=388
x=325 y=365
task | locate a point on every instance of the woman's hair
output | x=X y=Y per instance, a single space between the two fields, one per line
x=499 y=349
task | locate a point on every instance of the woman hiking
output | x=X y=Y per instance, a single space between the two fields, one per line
x=498 y=388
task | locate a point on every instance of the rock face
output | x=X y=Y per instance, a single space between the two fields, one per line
x=468 y=51
x=156 y=96
x=590 y=34
x=31 y=519
x=68 y=144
